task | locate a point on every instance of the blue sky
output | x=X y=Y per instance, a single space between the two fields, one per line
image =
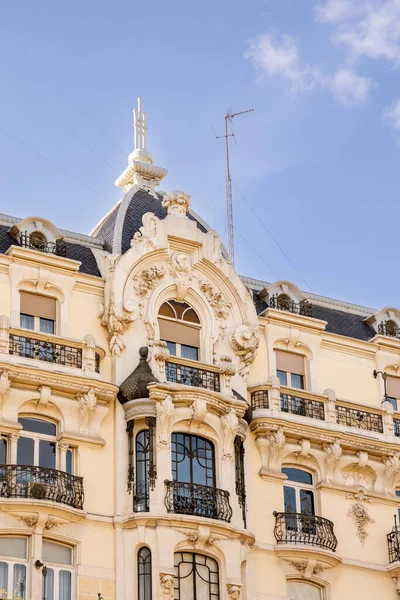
x=318 y=160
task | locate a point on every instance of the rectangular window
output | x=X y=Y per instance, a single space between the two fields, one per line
x=69 y=462
x=57 y=585
x=393 y=402
x=13 y=551
x=37 y=312
x=393 y=390
x=27 y=321
x=3 y=451
x=189 y=352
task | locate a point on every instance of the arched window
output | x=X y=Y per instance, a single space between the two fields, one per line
x=144 y=574
x=299 y=590
x=180 y=329
x=37 y=240
x=142 y=449
x=196 y=576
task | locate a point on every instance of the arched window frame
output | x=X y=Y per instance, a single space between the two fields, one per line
x=311 y=584
x=179 y=349
x=195 y=559
x=144 y=573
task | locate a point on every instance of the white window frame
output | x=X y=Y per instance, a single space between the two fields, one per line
x=36 y=324
x=289 y=379
x=179 y=350
x=301 y=486
x=57 y=567
x=11 y=561
x=37 y=437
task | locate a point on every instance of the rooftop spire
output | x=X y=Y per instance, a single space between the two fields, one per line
x=140 y=170
x=140 y=128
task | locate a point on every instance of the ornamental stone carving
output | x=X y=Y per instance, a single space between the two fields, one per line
x=89 y=353
x=333 y=453
x=361 y=519
x=4 y=333
x=88 y=404
x=30 y=520
x=245 y=341
x=166 y=586
x=271 y=448
x=176 y=203
x=227 y=368
x=229 y=424
x=4 y=386
x=199 y=410
x=216 y=300
x=234 y=592
x=145 y=281
x=392 y=472
x=145 y=238
x=181 y=269
x=161 y=354
x=165 y=419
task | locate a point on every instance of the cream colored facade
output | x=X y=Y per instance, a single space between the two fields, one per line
x=336 y=427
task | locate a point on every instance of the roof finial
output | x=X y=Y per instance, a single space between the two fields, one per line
x=140 y=128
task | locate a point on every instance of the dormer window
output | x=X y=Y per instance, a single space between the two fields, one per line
x=389 y=328
x=38 y=240
x=180 y=328
x=39 y=234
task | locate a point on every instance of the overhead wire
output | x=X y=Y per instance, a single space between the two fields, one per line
x=50 y=162
x=257 y=253
x=272 y=236
x=36 y=62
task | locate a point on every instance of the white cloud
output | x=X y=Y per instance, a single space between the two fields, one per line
x=280 y=57
x=368 y=28
x=391 y=115
x=348 y=88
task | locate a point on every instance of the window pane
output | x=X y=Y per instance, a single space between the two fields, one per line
x=282 y=376
x=57 y=553
x=392 y=401
x=27 y=321
x=48 y=585
x=3 y=451
x=19 y=580
x=172 y=348
x=25 y=449
x=47 y=454
x=289 y=499
x=306 y=502
x=64 y=585
x=303 y=591
x=13 y=546
x=46 y=325
x=3 y=576
x=144 y=574
x=37 y=426
x=298 y=475
x=189 y=352
x=297 y=381
x=69 y=462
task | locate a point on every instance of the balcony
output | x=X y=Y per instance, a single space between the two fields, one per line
x=284 y=303
x=389 y=329
x=197 y=500
x=141 y=498
x=360 y=419
x=191 y=375
x=296 y=528
x=393 y=541
x=304 y=407
x=58 y=248
x=51 y=352
x=41 y=483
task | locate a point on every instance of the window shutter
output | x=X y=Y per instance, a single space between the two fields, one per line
x=38 y=306
x=289 y=362
x=393 y=386
x=171 y=331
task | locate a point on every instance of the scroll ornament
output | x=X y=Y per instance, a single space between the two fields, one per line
x=245 y=341
x=229 y=424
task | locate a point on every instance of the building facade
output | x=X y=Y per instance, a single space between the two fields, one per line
x=170 y=430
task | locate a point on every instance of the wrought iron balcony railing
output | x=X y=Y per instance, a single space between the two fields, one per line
x=359 y=418
x=396 y=423
x=389 y=329
x=296 y=528
x=304 y=307
x=58 y=248
x=41 y=483
x=177 y=373
x=304 y=407
x=199 y=500
x=259 y=399
x=29 y=347
x=393 y=540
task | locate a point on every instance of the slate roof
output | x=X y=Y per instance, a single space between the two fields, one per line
x=140 y=204
x=135 y=385
x=74 y=251
x=338 y=321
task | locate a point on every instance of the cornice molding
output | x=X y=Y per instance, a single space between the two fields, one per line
x=64 y=266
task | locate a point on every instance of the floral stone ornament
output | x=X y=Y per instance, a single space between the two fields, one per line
x=361 y=520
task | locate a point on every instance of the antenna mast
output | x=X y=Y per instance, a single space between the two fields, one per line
x=229 y=206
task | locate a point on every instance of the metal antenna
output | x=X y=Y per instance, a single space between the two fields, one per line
x=228 y=118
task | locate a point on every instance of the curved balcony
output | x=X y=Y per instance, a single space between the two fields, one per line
x=198 y=500
x=41 y=483
x=296 y=528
